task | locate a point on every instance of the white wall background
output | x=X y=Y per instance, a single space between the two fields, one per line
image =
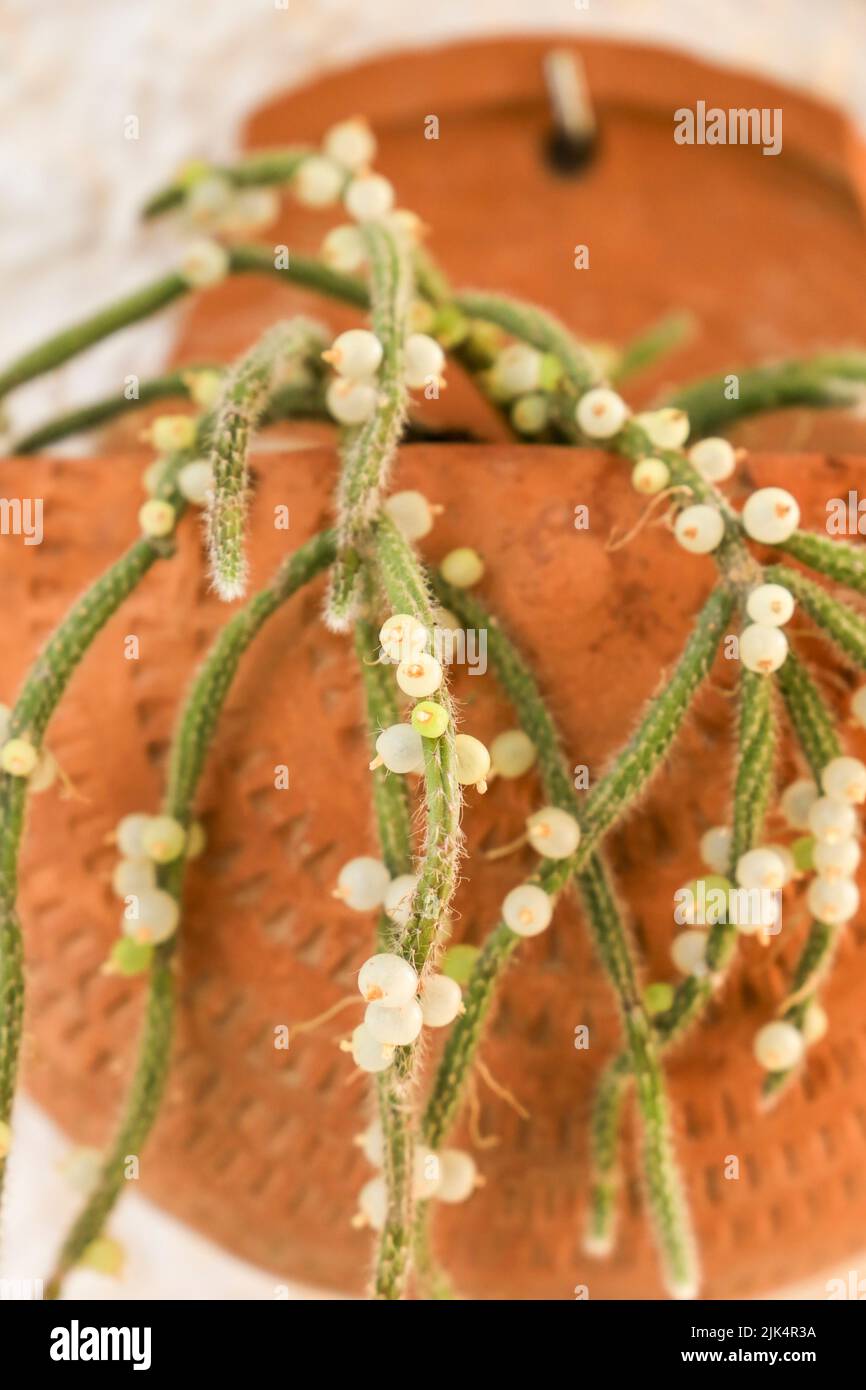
x=69 y=240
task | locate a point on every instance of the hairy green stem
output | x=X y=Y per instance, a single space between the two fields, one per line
x=838 y=560
x=257 y=170
x=192 y=741
x=829 y=379
x=368 y=451
x=40 y=694
x=242 y=402
x=840 y=623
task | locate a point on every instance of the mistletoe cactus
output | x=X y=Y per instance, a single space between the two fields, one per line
x=550 y=387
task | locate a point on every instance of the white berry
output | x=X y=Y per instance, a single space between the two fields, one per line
x=699 y=529
x=760 y=868
x=195 y=482
x=44 y=775
x=373 y=1202
x=157 y=518
x=132 y=877
x=400 y=749
x=129 y=834
x=458 y=1176
x=836 y=861
x=362 y=882
x=369 y=198
x=350 y=143
x=715 y=848
x=419 y=675
x=351 y=402
x=424 y=359
x=650 y=476
x=789 y=866
x=401 y=636
x=771 y=515
x=778 y=1046
x=18 y=757
x=667 y=428
x=512 y=753
x=833 y=900
x=343 y=249
x=387 y=978
x=372 y=1143
x=772 y=605
x=367 y=1053
x=763 y=649
x=318 y=182
x=527 y=910
x=441 y=1000
x=845 y=780
x=516 y=371
x=398 y=898
x=796 y=802
x=162 y=839
x=473 y=761
x=355 y=354
x=411 y=513
x=398 y=1025
x=715 y=459
x=601 y=413
x=815 y=1024
x=553 y=833
x=204 y=263
x=832 y=821
x=152 y=917
x=689 y=952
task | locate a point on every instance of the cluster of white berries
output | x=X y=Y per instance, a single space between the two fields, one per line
x=404 y=641
x=399 y=1004
x=171 y=434
x=21 y=758
x=150 y=914
x=448 y=1176
x=831 y=848
x=356 y=357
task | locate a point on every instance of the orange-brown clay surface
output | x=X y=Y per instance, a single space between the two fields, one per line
x=253 y=1145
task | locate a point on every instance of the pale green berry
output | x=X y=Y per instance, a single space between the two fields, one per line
x=129 y=957
x=650 y=476
x=19 y=757
x=157 y=518
x=658 y=998
x=462 y=567
x=350 y=143
x=473 y=762
x=105 y=1255
x=512 y=753
x=170 y=433
x=430 y=718
x=163 y=839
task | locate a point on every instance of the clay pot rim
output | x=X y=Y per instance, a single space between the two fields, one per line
x=618 y=72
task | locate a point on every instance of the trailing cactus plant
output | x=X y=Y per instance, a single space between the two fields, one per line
x=549 y=387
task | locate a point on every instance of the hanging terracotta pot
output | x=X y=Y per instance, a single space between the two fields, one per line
x=253 y=1144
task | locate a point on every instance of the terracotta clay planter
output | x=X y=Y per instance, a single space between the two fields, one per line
x=253 y=1145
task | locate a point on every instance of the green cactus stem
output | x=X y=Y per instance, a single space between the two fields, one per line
x=189 y=751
